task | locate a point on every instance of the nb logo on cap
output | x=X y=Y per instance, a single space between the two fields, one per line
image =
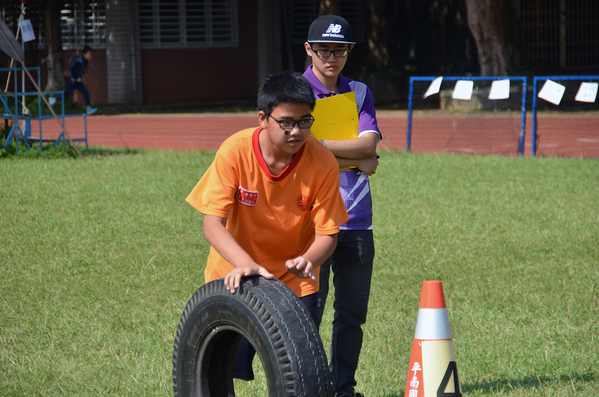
x=334 y=28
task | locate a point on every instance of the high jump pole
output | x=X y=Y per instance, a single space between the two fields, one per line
x=5 y=31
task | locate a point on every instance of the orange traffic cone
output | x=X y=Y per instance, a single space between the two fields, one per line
x=433 y=370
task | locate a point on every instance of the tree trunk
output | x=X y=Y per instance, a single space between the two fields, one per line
x=53 y=40
x=327 y=7
x=492 y=23
x=379 y=34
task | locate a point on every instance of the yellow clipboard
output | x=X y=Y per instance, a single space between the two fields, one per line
x=336 y=118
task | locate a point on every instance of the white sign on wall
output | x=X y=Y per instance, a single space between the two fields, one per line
x=27 y=30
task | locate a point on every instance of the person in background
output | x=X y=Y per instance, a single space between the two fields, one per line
x=75 y=80
x=329 y=43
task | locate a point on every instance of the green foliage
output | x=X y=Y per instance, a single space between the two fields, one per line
x=99 y=257
x=48 y=151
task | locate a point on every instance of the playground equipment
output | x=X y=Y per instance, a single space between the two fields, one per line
x=15 y=109
x=10 y=45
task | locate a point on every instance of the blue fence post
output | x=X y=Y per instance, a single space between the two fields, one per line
x=410 y=95
x=534 y=117
x=523 y=126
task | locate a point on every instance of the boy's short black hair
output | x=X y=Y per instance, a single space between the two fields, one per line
x=286 y=87
x=86 y=49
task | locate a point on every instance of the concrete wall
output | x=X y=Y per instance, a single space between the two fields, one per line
x=122 y=53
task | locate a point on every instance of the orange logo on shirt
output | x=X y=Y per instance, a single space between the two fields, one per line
x=303 y=203
x=247 y=197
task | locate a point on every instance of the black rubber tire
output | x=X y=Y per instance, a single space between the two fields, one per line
x=272 y=318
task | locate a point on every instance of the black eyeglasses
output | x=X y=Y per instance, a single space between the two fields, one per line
x=290 y=124
x=327 y=53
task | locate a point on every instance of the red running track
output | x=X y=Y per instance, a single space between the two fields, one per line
x=195 y=131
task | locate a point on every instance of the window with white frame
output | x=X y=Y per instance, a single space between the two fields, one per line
x=83 y=22
x=188 y=23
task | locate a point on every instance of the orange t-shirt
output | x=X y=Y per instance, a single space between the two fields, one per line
x=273 y=218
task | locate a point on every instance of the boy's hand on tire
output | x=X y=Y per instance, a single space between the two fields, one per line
x=233 y=279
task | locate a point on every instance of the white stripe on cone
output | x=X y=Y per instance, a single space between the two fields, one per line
x=432 y=324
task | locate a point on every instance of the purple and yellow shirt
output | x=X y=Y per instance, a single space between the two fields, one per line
x=354 y=185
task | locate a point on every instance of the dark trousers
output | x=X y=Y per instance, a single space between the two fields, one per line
x=73 y=85
x=352 y=264
x=242 y=368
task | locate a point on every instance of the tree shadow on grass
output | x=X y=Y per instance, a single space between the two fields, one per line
x=98 y=151
x=528 y=382
x=62 y=150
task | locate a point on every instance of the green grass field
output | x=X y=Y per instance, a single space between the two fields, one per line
x=99 y=257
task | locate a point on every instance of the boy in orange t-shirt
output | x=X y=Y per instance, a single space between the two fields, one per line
x=271 y=200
